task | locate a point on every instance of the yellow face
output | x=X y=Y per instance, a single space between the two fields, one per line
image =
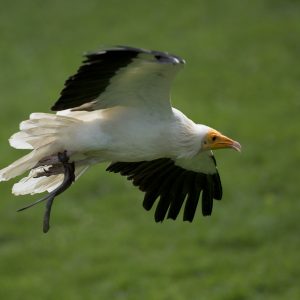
x=215 y=140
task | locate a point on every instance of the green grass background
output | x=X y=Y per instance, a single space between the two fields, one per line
x=242 y=77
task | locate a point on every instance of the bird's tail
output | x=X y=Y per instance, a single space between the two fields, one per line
x=43 y=133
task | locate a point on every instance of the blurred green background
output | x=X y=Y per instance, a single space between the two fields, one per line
x=242 y=77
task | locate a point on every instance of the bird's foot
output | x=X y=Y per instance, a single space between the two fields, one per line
x=69 y=177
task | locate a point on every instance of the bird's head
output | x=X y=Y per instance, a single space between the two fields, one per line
x=213 y=140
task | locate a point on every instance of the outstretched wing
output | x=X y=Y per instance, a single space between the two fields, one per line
x=174 y=182
x=120 y=76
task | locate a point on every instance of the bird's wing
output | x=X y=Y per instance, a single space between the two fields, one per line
x=123 y=76
x=174 y=182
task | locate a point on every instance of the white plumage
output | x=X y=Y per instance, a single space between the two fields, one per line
x=117 y=109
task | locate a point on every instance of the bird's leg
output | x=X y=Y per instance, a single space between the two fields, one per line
x=69 y=177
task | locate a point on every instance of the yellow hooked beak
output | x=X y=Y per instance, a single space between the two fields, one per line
x=216 y=140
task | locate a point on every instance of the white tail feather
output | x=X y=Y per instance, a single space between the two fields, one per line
x=39 y=130
x=25 y=163
x=41 y=133
x=31 y=185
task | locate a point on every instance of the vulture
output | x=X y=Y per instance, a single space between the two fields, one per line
x=117 y=110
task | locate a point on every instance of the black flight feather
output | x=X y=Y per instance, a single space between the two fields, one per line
x=193 y=197
x=179 y=191
x=110 y=61
x=162 y=178
x=207 y=196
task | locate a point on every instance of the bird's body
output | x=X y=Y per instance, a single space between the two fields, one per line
x=117 y=109
x=102 y=137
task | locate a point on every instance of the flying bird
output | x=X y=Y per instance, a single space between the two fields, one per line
x=116 y=109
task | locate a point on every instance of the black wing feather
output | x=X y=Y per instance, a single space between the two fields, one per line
x=150 y=198
x=217 y=186
x=207 y=196
x=165 y=196
x=93 y=77
x=193 y=197
x=179 y=191
x=172 y=184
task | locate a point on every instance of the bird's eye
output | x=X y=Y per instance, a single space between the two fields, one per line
x=214 y=138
